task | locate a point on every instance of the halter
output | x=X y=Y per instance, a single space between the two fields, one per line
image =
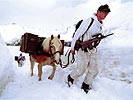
x=52 y=54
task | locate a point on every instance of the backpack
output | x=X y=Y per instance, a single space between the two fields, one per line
x=77 y=26
x=79 y=23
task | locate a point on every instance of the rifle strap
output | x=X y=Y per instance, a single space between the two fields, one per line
x=92 y=20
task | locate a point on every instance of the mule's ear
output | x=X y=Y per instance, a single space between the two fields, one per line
x=59 y=36
x=52 y=37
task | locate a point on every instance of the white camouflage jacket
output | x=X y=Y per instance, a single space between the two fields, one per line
x=95 y=28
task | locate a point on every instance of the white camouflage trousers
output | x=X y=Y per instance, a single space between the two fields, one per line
x=86 y=61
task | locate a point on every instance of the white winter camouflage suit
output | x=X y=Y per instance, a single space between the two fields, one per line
x=86 y=60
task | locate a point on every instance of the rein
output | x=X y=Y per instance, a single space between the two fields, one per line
x=72 y=61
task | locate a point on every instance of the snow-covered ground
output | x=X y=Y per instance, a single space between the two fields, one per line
x=114 y=82
x=115 y=61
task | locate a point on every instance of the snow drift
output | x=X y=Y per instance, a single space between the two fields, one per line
x=6 y=65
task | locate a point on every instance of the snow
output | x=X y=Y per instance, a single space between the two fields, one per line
x=115 y=61
x=6 y=65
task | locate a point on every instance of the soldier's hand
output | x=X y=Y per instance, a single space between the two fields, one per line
x=73 y=52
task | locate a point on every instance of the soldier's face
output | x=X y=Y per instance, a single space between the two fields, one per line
x=102 y=14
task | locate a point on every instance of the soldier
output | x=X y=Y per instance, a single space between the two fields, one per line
x=87 y=58
x=21 y=60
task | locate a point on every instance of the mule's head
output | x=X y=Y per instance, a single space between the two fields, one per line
x=56 y=48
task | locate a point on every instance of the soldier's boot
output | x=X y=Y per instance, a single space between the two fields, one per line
x=70 y=80
x=85 y=87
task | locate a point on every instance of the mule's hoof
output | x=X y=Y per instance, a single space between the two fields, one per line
x=39 y=79
x=50 y=78
x=31 y=75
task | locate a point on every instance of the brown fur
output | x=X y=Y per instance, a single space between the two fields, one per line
x=43 y=60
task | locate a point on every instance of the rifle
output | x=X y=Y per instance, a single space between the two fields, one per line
x=93 y=42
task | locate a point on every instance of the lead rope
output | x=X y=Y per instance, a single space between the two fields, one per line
x=72 y=61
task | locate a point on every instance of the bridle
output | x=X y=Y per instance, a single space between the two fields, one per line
x=55 y=52
x=52 y=54
x=60 y=62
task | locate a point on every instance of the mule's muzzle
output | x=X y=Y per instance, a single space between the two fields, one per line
x=58 y=62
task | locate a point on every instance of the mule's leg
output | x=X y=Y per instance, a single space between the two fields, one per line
x=39 y=71
x=32 y=66
x=53 y=72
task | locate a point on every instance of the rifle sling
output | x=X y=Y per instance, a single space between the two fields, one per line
x=92 y=20
x=77 y=45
